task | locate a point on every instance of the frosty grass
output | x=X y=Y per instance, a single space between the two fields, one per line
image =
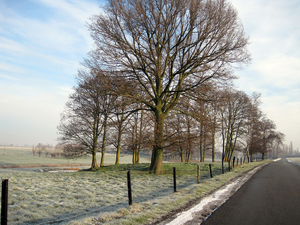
x=101 y=197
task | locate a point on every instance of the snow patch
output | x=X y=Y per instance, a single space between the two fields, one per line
x=62 y=171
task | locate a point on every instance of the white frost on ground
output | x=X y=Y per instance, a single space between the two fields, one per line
x=217 y=198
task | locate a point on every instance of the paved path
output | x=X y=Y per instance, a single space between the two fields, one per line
x=271 y=196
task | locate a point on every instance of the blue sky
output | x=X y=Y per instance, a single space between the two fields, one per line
x=42 y=43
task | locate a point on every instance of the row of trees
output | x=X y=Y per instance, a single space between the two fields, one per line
x=53 y=152
x=210 y=118
x=157 y=72
x=47 y=149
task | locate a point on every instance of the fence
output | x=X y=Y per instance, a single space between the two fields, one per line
x=174 y=176
x=207 y=171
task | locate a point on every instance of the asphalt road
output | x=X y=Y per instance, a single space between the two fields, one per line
x=271 y=196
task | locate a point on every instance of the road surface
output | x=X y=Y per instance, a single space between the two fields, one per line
x=271 y=196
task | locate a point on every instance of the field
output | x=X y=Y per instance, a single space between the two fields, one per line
x=84 y=197
x=23 y=157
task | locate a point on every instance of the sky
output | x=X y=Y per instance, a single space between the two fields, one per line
x=43 y=42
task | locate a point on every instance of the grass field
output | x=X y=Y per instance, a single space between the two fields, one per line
x=101 y=197
x=23 y=157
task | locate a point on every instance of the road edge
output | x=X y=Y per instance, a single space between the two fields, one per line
x=206 y=210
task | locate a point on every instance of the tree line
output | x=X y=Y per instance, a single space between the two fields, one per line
x=158 y=77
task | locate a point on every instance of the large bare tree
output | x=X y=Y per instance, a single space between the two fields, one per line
x=167 y=47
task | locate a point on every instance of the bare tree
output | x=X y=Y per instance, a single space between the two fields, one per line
x=167 y=47
x=253 y=116
x=234 y=111
x=268 y=135
x=33 y=150
x=39 y=148
x=137 y=134
x=85 y=117
x=120 y=122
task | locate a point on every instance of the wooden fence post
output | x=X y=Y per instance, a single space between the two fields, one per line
x=4 y=202
x=211 y=176
x=129 y=188
x=174 y=178
x=198 y=173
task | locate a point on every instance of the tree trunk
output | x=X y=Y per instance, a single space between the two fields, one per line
x=188 y=158
x=140 y=138
x=204 y=149
x=181 y=154
x=213 y=147
x=119 y=146
x=94 y=165
x=201 y=143
x=138 y=156
x=156 y=166
x=248 y=141
x=134 y=155
x=103 y=140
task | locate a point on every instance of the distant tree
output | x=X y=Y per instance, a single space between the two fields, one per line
x=57 y=151
x=253 y=117
x=40 y=148
x=278 y=139
x=120 y=122
x=47 y=149
x=291 y=151
x=262 y=136
x=33 y=150
x=234 y=111
x=167 y=47
x=137 y=133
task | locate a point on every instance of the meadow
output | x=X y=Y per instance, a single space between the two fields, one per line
x=40 y=197
x=12 y=157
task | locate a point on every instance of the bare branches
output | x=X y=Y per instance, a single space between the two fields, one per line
x=162 y=43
